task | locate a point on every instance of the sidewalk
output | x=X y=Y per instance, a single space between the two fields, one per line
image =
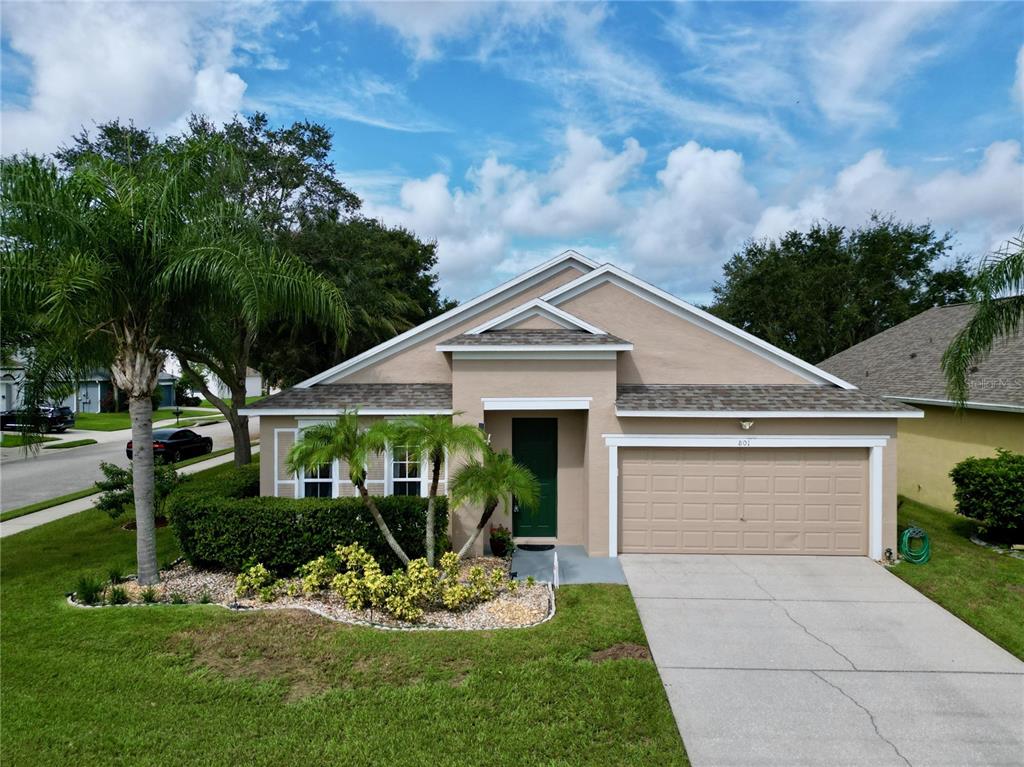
x=120 y=435
x=27 y=522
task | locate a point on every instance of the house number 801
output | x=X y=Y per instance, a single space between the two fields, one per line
x=744 y=443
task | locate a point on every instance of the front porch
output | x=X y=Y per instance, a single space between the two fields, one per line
x=574 y=566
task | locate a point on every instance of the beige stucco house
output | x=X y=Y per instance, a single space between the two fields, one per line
x=904 y=364
x=652 y=425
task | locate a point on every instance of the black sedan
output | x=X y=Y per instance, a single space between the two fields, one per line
x=172 y=445
x=49 y=417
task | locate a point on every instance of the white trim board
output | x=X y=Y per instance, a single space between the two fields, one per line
x=521 y=348
x=328 y=412
x=537 y=308
x=539 y=353
x=767 y=414
x=875 y=445
x=721 y=328
x=969 y=405
x=536 y=403
x=535 y=276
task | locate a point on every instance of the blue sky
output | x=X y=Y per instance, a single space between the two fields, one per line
x=657 y=136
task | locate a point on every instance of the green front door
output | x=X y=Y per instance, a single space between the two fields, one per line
x=535 y=446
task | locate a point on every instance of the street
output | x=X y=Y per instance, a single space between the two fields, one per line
x=29 y=478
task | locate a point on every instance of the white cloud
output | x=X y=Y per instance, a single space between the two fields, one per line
x=699 y=214
x=984 y=204
x=859 y=52
x=423 y=26
x=151 y=63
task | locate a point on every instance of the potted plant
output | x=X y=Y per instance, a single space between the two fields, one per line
x=502 y=544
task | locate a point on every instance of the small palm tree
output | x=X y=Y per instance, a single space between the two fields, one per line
x=433 y=437
x=343 y=440
x=496 y=479
x=999 y=286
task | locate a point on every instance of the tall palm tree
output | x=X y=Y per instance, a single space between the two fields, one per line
x=495 y=479
x=999 y=288
x=103 y=258
x=344 y=440
x=432 y=437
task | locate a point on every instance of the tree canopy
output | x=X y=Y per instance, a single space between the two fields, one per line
x=818 y=292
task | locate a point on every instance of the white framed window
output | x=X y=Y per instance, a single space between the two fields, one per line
x=406 y=473
x=319 y=482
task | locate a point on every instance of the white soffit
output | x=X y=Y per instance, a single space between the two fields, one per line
x=536 y=403
x=721 y=328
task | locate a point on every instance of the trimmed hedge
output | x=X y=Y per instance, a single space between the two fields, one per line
x=991 y=491
x=221 y=522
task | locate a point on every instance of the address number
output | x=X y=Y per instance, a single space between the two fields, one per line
x=743 y=443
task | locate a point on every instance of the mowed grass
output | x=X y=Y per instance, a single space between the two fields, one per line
x=116 y=421
x=202 y=685
x=22 y=440
x=981 y=587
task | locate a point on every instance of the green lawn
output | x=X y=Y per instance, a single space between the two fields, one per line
x=20 y=440
x=981 y=587
x=200 y=685
x=248 y=400
x=115 y=421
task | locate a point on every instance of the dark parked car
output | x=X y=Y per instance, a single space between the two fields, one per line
x=172 y=445
x=52 y=418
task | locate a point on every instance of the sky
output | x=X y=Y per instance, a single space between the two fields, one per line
x=659 y=137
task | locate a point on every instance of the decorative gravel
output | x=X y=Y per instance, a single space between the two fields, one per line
x=529 y=606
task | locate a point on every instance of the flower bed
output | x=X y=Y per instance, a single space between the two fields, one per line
x=529 y=604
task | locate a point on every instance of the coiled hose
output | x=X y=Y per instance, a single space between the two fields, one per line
x=919 y=555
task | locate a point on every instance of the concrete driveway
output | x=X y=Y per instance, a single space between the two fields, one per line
x=822 y=661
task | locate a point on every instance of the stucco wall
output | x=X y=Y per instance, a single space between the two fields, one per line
x=423 y=364
x=669 y=349
x=932 y=446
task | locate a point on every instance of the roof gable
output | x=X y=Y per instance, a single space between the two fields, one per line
x=610 y=274
x=536 y=308
x=570 y=259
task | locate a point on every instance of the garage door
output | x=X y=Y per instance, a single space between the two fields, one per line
x=744 y=501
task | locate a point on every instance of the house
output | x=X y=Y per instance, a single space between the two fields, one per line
x=93 y=393
x=253 y=384
x=652 y=425
x=903 y=364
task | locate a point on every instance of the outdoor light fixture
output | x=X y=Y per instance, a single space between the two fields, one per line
x=745 y=425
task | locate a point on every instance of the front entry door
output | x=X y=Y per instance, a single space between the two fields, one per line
x=535 y=446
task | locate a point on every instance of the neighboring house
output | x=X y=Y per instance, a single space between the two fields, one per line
x=88 y=396
x=651 y=425
x=903 y=364
x=253 y=384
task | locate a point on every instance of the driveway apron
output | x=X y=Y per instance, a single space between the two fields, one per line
x=822 y=661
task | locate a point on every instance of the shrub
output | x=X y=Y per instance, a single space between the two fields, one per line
x=149 y=595
x=991 y=491
x=220 y=522
x=89 y=590
x=118 y=493
x=253 y=580
x=117 y=595
x=115 y=575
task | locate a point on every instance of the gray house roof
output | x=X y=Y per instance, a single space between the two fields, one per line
x=751 y=398
x=362 y=396
x=904 y=362
x=553 y=337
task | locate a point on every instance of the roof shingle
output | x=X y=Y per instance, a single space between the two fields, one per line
x=906 y=361
x=750 y=398
x=559 y=337
x=400 y=396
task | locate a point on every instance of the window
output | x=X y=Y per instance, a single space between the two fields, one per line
x=405 y=473
x=319 y=482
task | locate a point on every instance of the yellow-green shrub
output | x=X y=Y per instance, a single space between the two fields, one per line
x=256 y=579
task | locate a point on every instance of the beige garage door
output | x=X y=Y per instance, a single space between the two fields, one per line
x=744 y=501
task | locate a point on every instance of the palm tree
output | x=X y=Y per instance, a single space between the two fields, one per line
x=496 y=479
x=344 y=440
x=104 y=262
x=432 y=437
x=999 y=287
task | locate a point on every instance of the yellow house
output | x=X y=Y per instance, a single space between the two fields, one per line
x=903 y=364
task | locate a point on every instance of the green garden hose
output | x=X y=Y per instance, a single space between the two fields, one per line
x=919 y=555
